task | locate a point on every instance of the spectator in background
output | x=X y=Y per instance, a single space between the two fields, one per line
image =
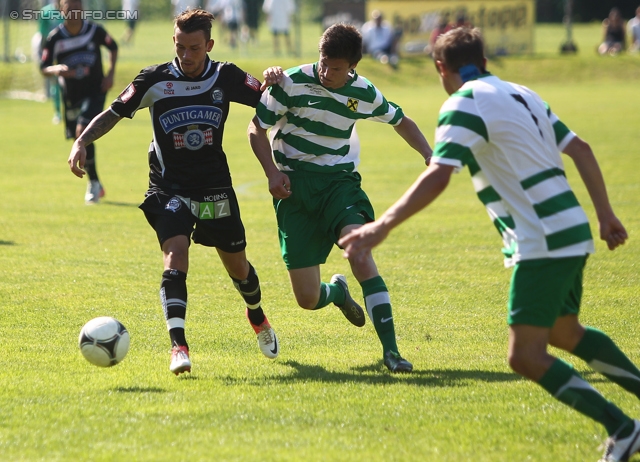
x=442 y=27
x=461 y=20
x=279 y=14
x=634 y=32
x=180 y=6
x=231 y=13
x=380 y=40
x=614 y=34
x=131 y=7
x=252 y=18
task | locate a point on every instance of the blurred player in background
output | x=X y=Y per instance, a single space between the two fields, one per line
x=47 y=22
x=132 y=8
x=315 y=181
x=72 y=54
x=190 y=192
x=511 y=142
x=279 y=13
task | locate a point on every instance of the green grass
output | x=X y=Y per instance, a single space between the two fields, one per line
x=327 y=396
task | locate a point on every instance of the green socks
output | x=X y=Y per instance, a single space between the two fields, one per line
x=378 y=304
x=330 y=293
x=567 y=386
x=603 y=356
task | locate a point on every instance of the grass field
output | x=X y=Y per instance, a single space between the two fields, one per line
x=327 y=396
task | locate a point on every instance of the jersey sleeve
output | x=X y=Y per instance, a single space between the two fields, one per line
x=246 y=88
x=46 y=59
x=132 y=97
x=461 y=132
x=274 y=103
x=104 y=39
x=387 y=112
x=373 y=105
x=562 y=133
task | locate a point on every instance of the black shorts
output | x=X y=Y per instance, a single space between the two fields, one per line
x=82 y=112
x=212 y=216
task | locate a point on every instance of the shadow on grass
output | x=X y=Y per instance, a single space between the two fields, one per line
x=139 y=390
x=7 y=243
x=120 y=204
x=378 y=374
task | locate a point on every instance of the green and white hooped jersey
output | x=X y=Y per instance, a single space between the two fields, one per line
x=313 y=126
x=511 y=142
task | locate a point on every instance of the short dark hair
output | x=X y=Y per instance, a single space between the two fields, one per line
x=459 y=47
x=341 y=41
x=192 y=20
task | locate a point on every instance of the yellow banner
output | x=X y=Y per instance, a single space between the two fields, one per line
x=507 y=25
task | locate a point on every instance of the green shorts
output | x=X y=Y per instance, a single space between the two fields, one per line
x=545 y=289
x=320 y=205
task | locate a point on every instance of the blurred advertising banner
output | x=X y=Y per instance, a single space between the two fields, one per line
x=507 y=25
x=350 y=12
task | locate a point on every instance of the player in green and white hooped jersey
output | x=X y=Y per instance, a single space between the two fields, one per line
x=314 y=181
x=511 y=142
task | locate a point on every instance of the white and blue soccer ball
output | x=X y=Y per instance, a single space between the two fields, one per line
x=104 y=341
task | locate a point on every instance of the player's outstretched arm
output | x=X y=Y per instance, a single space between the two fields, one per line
x=611 y=229
x=424 y=190
x=410 y=132
x=279 y=184
x=58 y=70
x=99 y=126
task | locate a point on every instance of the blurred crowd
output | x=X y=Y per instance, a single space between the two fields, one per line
x=241 y=19
x=381 y=40
x=615 y=31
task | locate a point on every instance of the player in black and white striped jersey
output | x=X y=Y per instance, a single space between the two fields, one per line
x=190 y=191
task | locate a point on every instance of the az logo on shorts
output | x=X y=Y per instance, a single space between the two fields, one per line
x=211 y=210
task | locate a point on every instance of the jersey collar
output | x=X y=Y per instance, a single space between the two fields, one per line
x=83 y=29
x=175 y=68
x=353 y=75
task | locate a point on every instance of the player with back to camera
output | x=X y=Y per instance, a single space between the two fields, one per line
x=510 y=140
x=190 y=190
x=75 y=47
x=315 y=183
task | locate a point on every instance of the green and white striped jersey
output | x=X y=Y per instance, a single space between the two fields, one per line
x=313 y=126
x=511 y=142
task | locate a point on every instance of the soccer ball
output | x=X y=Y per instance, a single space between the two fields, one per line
x=104 y=341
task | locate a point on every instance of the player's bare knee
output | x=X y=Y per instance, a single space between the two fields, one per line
x=363 y=266
x=176 y=258
x=520 y=362
x=306 y=301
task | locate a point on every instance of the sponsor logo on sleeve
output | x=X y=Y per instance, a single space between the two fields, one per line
x=252 y=82
x=127 y=93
